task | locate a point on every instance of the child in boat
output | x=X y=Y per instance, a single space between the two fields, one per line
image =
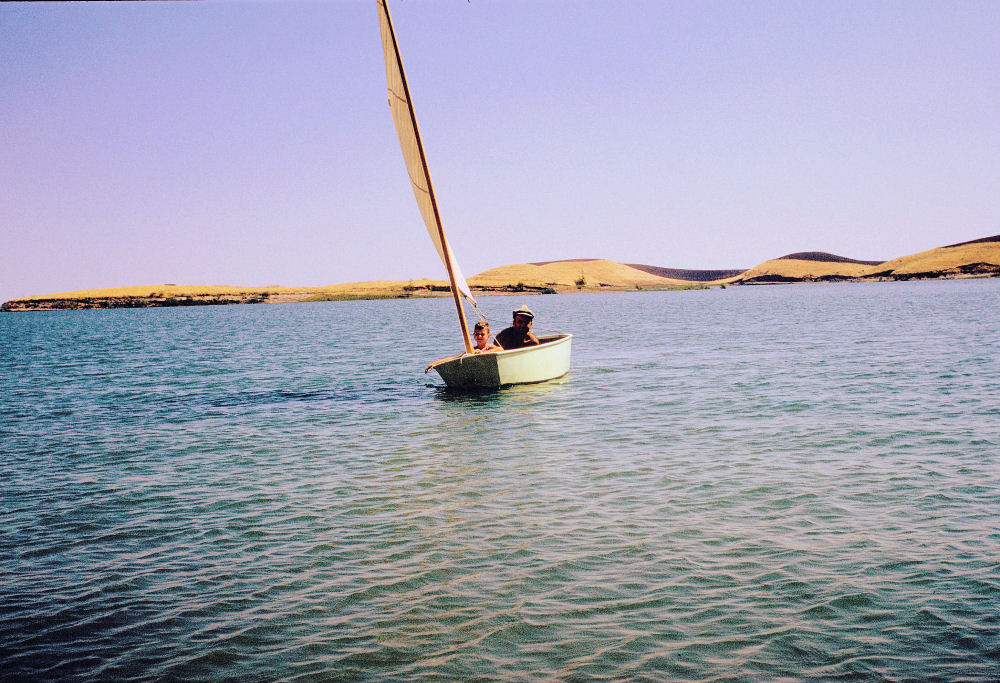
x=481 y=334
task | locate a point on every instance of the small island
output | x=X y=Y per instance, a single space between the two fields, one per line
x=976 y=258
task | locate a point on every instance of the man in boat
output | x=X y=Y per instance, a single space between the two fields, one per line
x=519 y=334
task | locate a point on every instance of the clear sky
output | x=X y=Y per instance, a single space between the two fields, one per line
x=251 y=144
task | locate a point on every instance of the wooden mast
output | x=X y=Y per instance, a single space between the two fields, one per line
x=430 y=187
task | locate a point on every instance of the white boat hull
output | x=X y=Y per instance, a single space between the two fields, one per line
x=531 y=364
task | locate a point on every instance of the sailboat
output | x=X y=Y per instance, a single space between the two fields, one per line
x=546 y=361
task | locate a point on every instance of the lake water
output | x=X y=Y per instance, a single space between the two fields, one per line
x=742 y=484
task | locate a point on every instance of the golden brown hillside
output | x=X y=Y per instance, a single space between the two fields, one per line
x=801 y=269
x=944 y=259
x=153 y=291
x=566 y=274
x=969 y=259
x=140 y=296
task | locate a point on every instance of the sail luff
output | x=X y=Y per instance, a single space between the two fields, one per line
x=405 y=120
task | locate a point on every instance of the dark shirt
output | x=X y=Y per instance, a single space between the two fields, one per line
x=513 y=338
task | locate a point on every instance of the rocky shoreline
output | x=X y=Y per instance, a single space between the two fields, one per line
x=70 y=304
x=975 y=270
x=971 y=270
x=399 y=291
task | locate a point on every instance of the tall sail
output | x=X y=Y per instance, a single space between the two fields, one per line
x=405 y=121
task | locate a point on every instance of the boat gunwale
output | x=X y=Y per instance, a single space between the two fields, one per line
x=549 y=340
x=546 y=341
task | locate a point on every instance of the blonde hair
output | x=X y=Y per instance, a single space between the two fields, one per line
x=481 y=325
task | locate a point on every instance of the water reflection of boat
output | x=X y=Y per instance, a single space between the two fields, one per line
x=548 y=360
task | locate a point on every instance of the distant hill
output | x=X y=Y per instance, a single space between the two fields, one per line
x=974 y=258
x=977 y=257
x=826 y=258
x=981 y=240
x=572 y=274
x=689 y=275
x=681 y=274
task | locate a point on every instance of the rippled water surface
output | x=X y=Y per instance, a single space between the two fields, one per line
x=740 y=484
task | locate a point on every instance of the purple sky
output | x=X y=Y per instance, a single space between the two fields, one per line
x=251 y=143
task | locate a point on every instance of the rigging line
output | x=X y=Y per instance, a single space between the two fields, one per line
x=482 y=316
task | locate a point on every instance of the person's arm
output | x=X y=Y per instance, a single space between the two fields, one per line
x=531 y=339
x=498 y=342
